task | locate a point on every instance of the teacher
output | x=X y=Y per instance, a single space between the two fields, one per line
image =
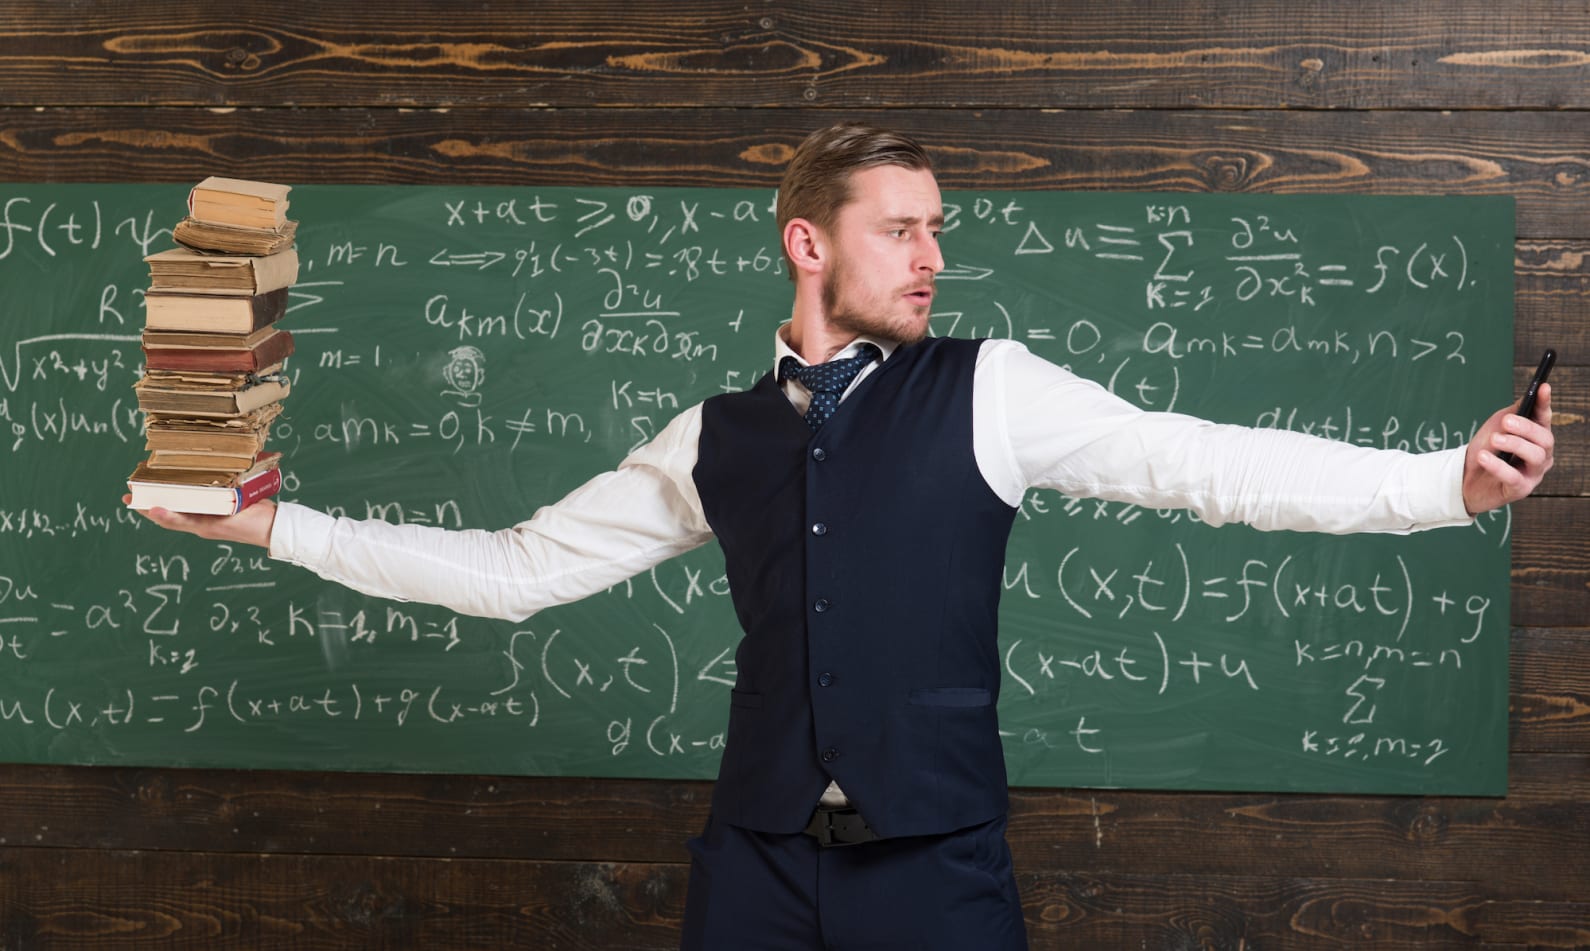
x=863 y=491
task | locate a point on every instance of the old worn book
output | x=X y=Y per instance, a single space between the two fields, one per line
x=218 y=352
x=205 y=493
x=243 y=435
x=208 y=313
x=183 y=393
x=162 y=459
x=184 y=270
x=237 y=201
x=230 y=239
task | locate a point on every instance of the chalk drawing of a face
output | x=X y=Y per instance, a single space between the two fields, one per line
x=465 y=371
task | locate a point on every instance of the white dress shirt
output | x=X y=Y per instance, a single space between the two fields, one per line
x=1035 y=425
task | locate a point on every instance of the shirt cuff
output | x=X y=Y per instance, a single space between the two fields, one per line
x=1443 y=507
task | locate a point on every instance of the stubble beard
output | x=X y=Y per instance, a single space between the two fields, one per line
x=845 y=316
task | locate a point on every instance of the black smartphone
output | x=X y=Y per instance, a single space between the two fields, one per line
x=1526 y=406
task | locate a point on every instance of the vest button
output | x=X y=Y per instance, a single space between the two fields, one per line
x=830 y=754
x=822 y=605
x=819 y=454
x=819 y=529
x=825 y=680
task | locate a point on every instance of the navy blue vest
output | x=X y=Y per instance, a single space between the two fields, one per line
x=865 y=564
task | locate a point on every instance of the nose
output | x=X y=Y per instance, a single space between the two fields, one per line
x=929 y=257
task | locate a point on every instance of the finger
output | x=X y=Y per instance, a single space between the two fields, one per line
x=1513 y=483
x=1518 y=442
x=1543 y=405
x=1535 y=432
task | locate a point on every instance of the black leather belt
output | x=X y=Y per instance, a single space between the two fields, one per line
x=834 y=827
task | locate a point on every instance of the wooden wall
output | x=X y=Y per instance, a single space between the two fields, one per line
x=1200 y=95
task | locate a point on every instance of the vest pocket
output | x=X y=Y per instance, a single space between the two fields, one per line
x=745 y=699
x=950 y=697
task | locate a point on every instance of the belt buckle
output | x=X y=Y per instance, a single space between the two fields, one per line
x=831 y=831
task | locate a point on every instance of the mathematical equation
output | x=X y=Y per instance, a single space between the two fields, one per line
x=464 y=355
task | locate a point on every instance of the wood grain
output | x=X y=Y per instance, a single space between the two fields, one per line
x=1550 y=691
x=1199 y=911
x=1551 y=563
x=215 y=901
x=1551 y=297
x=825 y=53
x=1538 y=157
x=1448 y=97
x=177 y=900
x=1512 y=845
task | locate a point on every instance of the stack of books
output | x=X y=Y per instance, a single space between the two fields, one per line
x=213 y=355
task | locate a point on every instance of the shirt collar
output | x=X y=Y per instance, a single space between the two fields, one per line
x=782 y=349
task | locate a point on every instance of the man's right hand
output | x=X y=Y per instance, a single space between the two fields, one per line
x=252 y=526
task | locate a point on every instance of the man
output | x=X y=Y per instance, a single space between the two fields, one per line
x=863 y=492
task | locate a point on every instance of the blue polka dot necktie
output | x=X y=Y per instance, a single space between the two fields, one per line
x=826 y=381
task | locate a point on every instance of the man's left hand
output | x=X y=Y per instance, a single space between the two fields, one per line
x=1490 y=483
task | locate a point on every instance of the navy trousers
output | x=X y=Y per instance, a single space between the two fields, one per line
x=753 y=891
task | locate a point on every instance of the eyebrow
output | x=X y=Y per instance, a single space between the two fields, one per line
x=937 y=221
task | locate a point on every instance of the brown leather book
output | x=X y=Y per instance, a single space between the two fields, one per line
x=219 y=352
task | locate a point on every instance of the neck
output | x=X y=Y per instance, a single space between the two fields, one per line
x=818 y=348
x=810 y=333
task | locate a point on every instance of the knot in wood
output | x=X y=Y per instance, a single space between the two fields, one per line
x=155 y=789
x=1312 y=68
x=361 y=903
x=1226 y=172
x=1427 y=825
x=239 y=58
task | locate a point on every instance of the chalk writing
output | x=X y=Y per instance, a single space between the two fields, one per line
x=466 y=355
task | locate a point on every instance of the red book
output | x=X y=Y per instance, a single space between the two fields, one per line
x=205 y=493
x=216 y=352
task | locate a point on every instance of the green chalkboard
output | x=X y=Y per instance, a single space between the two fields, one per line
x=466 y=355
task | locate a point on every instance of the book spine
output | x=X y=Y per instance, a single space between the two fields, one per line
x=262 y=486
x=221 y=361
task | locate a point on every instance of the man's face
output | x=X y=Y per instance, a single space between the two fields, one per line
x=885 y=251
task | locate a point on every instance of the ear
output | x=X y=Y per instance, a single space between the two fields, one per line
x=805 y=245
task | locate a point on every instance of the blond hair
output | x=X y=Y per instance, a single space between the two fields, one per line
x=817 y=182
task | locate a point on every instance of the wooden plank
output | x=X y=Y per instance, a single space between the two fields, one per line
x=52 y=898
x=1550 y=691
x=1200 y=911
x=1219 y=53
x=1551 y=563
x=216 y=902
x=1538 y=157
x=1524 y=845
x=1551 y=297
x=1527 y=845
x=562 y=818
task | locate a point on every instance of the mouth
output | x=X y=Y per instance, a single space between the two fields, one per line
x=921 y=297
